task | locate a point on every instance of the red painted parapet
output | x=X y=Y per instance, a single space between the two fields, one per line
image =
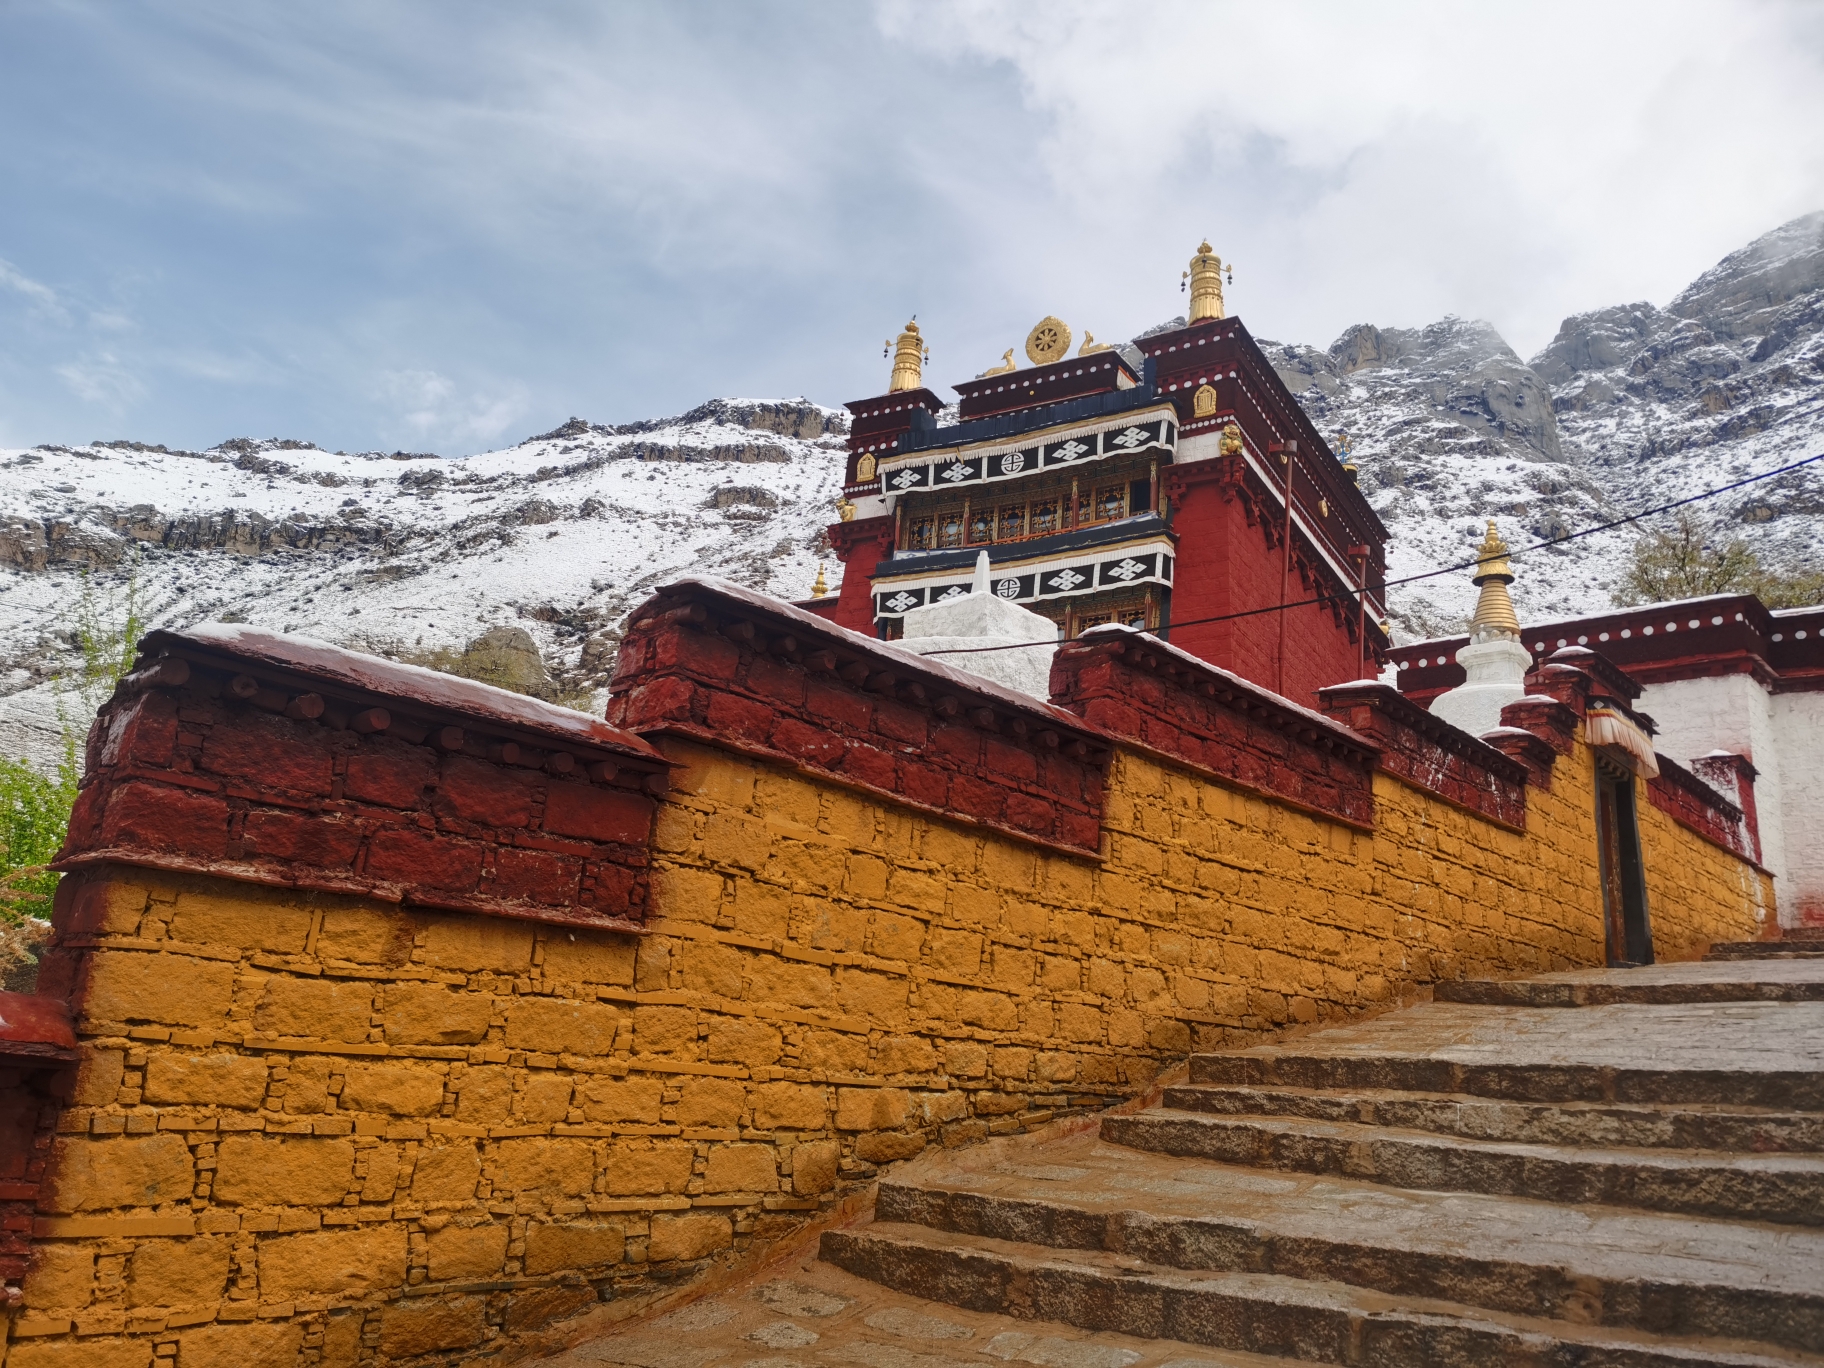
x=1537 y=750
x=1162 y=699
x=1733 y=776
x=710 y=661
x=1693 y=804
x=1545 y=717
x=284 y=761
x=35 y=1031
x=1698 y=638
x=1430 y=753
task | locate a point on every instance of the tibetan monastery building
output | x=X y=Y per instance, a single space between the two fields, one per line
x=1186 y=495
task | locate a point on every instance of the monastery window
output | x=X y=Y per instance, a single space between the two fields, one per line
x=1040 y=505
x=1130 y=610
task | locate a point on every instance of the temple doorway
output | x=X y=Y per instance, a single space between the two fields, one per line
x=1624 y=886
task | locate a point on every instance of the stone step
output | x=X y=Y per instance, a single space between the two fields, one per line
x=810 y=1312
x=1666 y=1275
x=1609 y=1125
x=1734 y=1054
x=1773 y=1088
x=1261 y=1313
x=1771 y=950
x=1649 y=989
x=1784 y=1188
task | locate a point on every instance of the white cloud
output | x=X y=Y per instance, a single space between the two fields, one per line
x=435 y=409
x=1394 y=162
x=102 y=380
x=40 y=297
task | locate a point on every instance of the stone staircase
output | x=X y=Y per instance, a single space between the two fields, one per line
x=1795 y=942
x=1603 y=1169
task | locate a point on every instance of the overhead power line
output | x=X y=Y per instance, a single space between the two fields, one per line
x=1545 y=545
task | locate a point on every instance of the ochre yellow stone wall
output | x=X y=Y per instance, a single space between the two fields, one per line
x=313 y=1130
x=1688 y=892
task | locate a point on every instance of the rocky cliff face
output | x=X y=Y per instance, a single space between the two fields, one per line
x=1629 y=406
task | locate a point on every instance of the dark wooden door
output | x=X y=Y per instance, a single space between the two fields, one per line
x=1627 y=932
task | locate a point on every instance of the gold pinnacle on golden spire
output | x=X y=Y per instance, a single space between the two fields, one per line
x=1494 y=609
x=909 y=356
x=821 y=587
x=1205 y=276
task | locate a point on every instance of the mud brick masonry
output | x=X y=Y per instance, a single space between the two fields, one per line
x=390 y=1018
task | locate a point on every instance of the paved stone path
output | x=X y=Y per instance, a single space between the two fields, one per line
x=1504 y=1178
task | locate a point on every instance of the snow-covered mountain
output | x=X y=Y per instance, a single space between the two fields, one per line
x=1628 y=408
x=561 y=535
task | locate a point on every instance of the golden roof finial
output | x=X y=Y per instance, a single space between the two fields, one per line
x=821 y=587
x=909 y=356
x=1205 y=276
x=1494 y=609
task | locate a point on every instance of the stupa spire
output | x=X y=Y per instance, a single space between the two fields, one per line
x=1494 y=616
x=909 y=356
x=1205 y=276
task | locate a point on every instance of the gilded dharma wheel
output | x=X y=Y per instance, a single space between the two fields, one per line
x=1048 y=341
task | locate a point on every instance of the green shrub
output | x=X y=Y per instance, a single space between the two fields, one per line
x=34 y=814
x=34 y=807
x=1688 y=561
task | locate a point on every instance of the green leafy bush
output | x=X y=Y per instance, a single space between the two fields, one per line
x=34 y=814
x=1689 y=561
x=35 y=807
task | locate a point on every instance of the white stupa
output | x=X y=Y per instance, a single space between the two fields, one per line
x=959 y=626
x=1495 y=659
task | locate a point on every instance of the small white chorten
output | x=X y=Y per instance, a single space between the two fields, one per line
x=1495 y=660
x=982 y=618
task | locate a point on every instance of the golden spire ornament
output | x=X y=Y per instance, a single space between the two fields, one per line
x=909 y=356
x=821 y=587
x=1205 y=276
x=1494 y=616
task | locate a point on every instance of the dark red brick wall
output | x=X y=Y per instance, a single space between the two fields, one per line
x=1428 y=752
x=1230 y=561
x=744 y=673
x=37 y=1059
x=28 y=1111
x=427 y=812
x=1168 y=701
x=860 y=546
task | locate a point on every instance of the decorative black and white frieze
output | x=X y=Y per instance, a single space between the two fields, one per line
x=1059 y=579
x=956 y=471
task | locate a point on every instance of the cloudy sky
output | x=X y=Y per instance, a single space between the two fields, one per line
x=447 y=225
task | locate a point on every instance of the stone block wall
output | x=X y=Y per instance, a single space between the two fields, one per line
x=330 y=1125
